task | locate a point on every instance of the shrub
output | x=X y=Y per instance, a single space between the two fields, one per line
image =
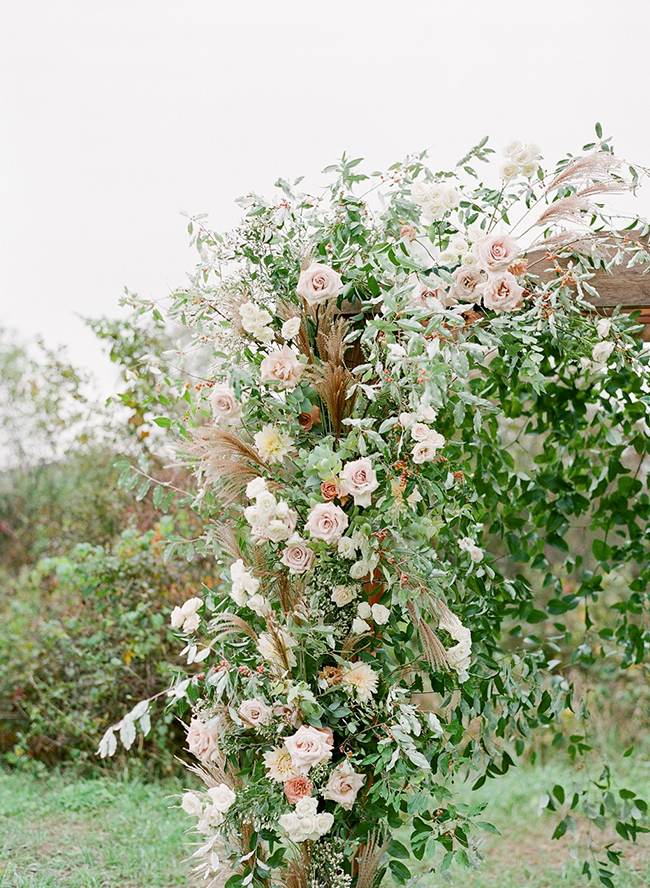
x=83 y=628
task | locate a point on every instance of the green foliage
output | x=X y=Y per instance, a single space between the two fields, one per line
x=80 y=630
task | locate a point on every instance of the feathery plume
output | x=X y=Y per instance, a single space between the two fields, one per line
x=228 y=462
x=370 y=857
x=581 y=169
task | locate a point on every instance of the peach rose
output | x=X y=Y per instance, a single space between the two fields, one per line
x=309 y=420
x=327 y=522
x=497 y=251
x=297 y=788
x=297 y=556
x=203 y=740
x=343 y=786
x=331 y=489
x=255 y=712
x=223 y=402
x=502 y=293
x=308 y=747
x=282 y=367
x=360 y=479
x=318 y=283
x=466 y=281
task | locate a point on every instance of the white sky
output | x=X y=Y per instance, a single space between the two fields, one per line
x=118 y=114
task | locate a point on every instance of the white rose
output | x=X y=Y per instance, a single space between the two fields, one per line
x=192 y=804
x=327 y=522
x=406 y=419
x=529 y=169
x=191 y=606
x=364 y=610
x=318 y=283
x=191 y=623
x=256 y=487
x=466 y=280
x=343 y=595
x=509 y=170
x=324 y=822
x=524 y=155
x=359 y=626
x=259 y=605
x=306 y=806
x=425 y=451
x=602 y=351
x=359 y=569
x=603 y=327
x=224 y=403
x=222 y=797
x=380 y=614
x=291 y=328
x=512 y=147
x=420 y=431
x=468 y=545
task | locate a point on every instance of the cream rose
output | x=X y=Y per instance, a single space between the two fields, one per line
x=502 y=293
x=318 y=283
x=359 y=479
x=343 y=595
x=425 y=451
x=308 y=747
x=222 y=797
x=497 y=251
x=343 y=786
x=282 y=367
x=203 y=740
x=255 y=712
x=297 y=556
x=466 y=281
x=327 y=522
x=192 y=804
x=223 y=402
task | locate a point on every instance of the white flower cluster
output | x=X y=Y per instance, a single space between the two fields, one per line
x=221 y=799
x=268 y=518
x=427 y=441
x=256 y=320
x=186 y=617
x=435 y=198
x=378 y=613
x=304 y=823
x=467 y=544
x=245 y=589
x=521 y=160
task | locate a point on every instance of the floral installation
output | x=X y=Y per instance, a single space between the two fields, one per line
x=369 y=352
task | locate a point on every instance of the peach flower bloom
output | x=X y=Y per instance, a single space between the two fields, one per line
x=297 y=788
x=497 y=251
x=282 y=367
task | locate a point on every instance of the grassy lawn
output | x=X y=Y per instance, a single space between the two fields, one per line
x=121 y=834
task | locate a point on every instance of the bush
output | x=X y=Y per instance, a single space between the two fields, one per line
x=82 y=629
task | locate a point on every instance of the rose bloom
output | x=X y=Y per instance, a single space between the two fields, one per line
x=327 y=522
x=497 y=251
x=203 y=740
x=318 y=283
x=309 y=420
x=331 y=489
x=343 y=595
x=282 y=367
x=308 y=747
x=297 y=556
x=255 y=712
x=192 y=804
x=222 y=797
x=360 y=479
x=425 y=451
x=465 y=282
x=224 y=403
x=343 y=786
x=420 y=431
x=360 y=627
x=291 y=328
x=502 y=293
x=280 y=529
x=346 y=547
x=602 y=351
x=297 y=788
x=380 y=614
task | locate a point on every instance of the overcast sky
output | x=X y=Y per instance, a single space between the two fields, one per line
x=118 y=114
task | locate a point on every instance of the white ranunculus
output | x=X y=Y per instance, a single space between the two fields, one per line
x=259 y=605
x=529 y=169
x=191 y=623
x=603 y=327
x=177 y=618
x=306 y=806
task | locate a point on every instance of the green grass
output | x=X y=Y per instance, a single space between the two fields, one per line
x=61 y=832
x=90 y=834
